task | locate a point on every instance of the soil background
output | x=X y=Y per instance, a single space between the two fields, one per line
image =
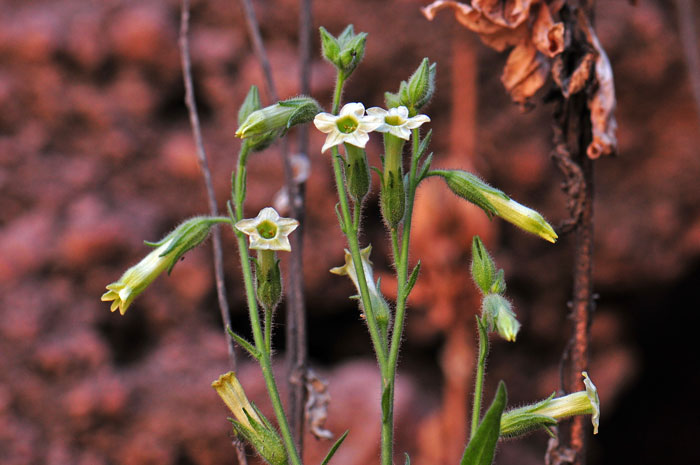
x=96 y=155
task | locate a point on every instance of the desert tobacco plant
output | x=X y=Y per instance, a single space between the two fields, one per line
x=405 y=164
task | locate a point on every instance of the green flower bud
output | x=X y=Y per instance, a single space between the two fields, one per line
x=249 y=422
x=417 y=92
x=278 y=118
x=357 y=177
x=167 y=252
x=251 y=104
x=483 y=268
x=547 y=412
x=494 y=201
x=344 y=52
x=268 y=279
x=499 y=315
x=393 y=195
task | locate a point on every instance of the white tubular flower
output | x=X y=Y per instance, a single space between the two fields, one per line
x=268 y=231
x=231 y=392
x=351 y=126
x=521 y=216
x=396 y=121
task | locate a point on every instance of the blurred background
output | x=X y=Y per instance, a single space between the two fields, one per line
x=96 y=155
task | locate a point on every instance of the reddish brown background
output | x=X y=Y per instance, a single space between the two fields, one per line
x=96 y=155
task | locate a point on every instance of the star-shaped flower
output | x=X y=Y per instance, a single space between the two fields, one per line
x=396 y=121
x=351 y=126
x=268 y=231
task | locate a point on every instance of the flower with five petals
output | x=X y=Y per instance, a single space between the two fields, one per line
x=268 y=231
x=351 y=126
x=396 y=121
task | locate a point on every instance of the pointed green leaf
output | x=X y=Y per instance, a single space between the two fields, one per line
x=482 y=447
x=245 y=344
x=334 y=448
x=413 y=278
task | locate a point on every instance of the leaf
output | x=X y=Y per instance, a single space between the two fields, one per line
x=334 y=448
x=408 y=459
x=413 y=278
x=482 y=447
x=245 y=344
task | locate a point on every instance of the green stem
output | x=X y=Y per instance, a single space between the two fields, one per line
x=401 y=261
x=480 y=368
x=268 y=331
x=258 y=337
x=339 y=83
x=353 y=244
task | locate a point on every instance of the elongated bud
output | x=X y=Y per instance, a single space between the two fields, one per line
x=417 y=92
x=393 y=195
x=357 y=177
x=346 y=51
x=268 y=279
x=249 y=422
x=500 y=315
x=483 y=268
x=278 y=118
x=167 y=252
x=494 y=201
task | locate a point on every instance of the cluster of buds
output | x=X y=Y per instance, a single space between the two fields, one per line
x=344 y=52
x=497 y=312
x=417 y=91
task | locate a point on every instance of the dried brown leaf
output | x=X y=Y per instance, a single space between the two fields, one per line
x=602 y=105
x=573 y=82
x=507 y=13
x=547 y=35
x=525 y=72
x=316 y=409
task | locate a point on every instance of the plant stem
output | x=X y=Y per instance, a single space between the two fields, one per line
x=480 y=368
x=258 y=337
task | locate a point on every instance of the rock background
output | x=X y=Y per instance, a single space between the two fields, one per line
x=96 y=155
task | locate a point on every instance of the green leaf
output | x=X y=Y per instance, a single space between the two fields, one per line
x=334 y=448
x=412 y=279
x=245 y=344
x=408 y=459
x=482 y=447
x=423 y=147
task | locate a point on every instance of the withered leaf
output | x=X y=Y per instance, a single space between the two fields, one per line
x=547 y=35
x=525 y=72
x=507 y=13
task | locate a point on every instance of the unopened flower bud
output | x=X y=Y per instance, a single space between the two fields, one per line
x=500 y=315
x=278 y=118
x=167 y=252
x=393 y=195
x=494 y=201
x=483 y=268
x=268 y=279
x=249 y=422
x=417 y=92
x=357 y=177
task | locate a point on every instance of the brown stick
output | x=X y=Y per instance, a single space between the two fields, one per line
x=204 y=166
x=296 y=317
x=191 y=104
x=688 y=36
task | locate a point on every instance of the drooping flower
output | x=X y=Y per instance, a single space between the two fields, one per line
x=167 y=252
x=351 y=125
x=549 y=411
x=268 y=231
x=396 y=121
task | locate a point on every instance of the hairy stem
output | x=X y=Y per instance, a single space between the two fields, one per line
x=480 y=369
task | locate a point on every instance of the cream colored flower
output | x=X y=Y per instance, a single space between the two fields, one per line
x=351 y=126
x=268 y=231
x=137 y=278
x=521 y=216
x=231 y=392
x=396 y=121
